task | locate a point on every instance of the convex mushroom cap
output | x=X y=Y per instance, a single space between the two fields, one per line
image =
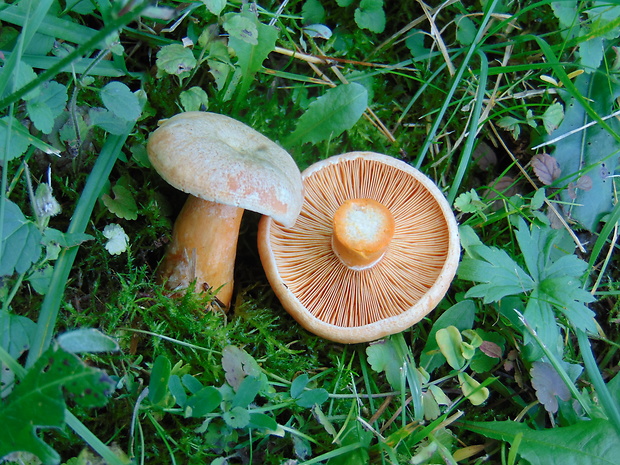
x=227 y=167
x=373 y=251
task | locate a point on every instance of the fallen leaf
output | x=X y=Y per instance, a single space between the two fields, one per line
x=548 y=385
x=546 y=168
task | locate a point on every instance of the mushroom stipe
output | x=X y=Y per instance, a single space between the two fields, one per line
x=382 y=289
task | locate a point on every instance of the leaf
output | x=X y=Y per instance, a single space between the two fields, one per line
x=177 y=390
x=490 y=353
x=215 y=6
x=314 y=396
x=121 y=101
x=312 y=12
x=38 y=401
x=592 y=149
x=593 y=442
x=449 y=341
x=237 y=417
x=460 y=315
x=87 y=340
x=262 y=421
x=194 y=99
x=298 y=385
x=329 y=115
x=176 y=59
x=18 y=143
x=203 y=402
x=45 y=108
x=117 y=239
x=548 y=386
x=160 y=376
x=546 y=168
x=383 y=357
x=21 y=241
x=16 y=333
x=370 y=15
x=241 y=26
x=466 y=30
x=472 y=390
x=552 y=117
x=123 y=204
x=246 y=392
x=109 y=122
x=238 y=364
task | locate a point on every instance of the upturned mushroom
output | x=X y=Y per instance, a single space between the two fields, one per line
x=373 y=251
x=226 y=167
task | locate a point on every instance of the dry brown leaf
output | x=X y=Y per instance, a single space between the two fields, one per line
x=546 y=168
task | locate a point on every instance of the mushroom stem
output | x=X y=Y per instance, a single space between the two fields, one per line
x=203 y=248
x=363 y=230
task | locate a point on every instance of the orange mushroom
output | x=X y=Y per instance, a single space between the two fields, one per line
x=226 y=167
x=373 y=251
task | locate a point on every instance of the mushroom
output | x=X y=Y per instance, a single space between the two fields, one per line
x=226 y=167
x=373 y=251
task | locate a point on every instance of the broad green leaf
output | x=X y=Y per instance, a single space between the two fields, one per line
x=489 y=353
x=21 y=241
x=108 y=121
x=215 y=6
x=298 y=385
x=460 y=315
x=329 y=115
x=202 y=402
x=466 y=30
x=176 y=59
x=87 y=340
x=38 y=401
x=17 y=144
x=450 y=341
x=121 y=101
x=552 y=117
x=237 y=417
x=262 y=421
x=314 y=396
x=312 y=12
x=246 y=392
x=194 y=99
x=177 y=390
x=242 y=26
x=191 y=383
x=383 y=356
x=593 y=442
x=16 y=333
x=122 y=204
x=40 y=278
x=252 y=48
x=160 y=375
x=592 y=149
x=45 y=108
x=472 y=390
x=370 y=15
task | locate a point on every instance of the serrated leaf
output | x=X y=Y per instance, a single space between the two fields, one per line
x=591 y=148
x=331 y=114
x=16 y=333
x=45 y=108
x=194 y=99
x=21 y=241
x=552 y=117
x=593 y=442
x=548 y=386
x=370 y=15
x=123 y=204
x=176 y=60
x=38 y=401
x=109 y=122
x=215 y=6
x=17 y=144
x=383 y=357
x=160 y=376
x=87 y=340
x=121 y=101
x=546 y=168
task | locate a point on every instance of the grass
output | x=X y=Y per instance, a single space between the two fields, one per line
x=462 y=92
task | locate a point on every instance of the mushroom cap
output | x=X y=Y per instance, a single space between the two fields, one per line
x=220 y=159
x=346 y=305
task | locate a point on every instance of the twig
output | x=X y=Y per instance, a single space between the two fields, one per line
x=437 y=36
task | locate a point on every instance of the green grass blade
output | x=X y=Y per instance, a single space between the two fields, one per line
x=473 y=128
x=51 y=303
x=490 y=8
x=93 y=441
x=604 y=396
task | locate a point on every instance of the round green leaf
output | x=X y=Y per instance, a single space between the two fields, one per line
x=121 y=101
